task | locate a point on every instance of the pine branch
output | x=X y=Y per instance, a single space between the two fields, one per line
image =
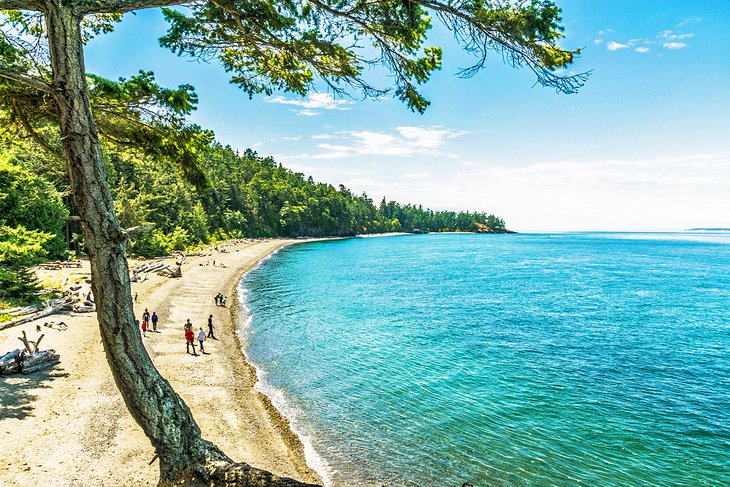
x=122 y=6
x=36 y=83
x=19 y=5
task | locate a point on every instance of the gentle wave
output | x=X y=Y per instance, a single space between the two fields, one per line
x=276 y=395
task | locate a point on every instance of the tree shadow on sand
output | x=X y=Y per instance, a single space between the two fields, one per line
x=18 y=392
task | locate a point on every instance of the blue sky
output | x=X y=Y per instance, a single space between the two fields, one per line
x=645 y=145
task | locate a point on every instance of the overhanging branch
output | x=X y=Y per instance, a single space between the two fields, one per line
x=36 y=83
x=122 y=6
x=19 y=5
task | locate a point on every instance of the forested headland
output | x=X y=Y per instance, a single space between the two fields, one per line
x=239 y=195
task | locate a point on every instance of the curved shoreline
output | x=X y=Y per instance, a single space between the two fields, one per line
x=69 y=426
x=280 y=421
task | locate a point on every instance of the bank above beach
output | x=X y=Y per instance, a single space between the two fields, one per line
x=69 y=425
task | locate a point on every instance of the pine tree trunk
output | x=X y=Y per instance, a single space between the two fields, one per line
x=184 y=456
x=163 y=416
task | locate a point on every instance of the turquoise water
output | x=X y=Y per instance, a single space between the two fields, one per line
x=600 y=359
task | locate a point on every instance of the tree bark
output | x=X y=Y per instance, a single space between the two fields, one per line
x=184 y=456
x=163 y=416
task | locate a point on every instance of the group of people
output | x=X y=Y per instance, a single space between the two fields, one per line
x=149 y=321
x=220 y=300
x=190 y=336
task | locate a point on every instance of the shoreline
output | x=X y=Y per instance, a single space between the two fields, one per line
x=69 y=424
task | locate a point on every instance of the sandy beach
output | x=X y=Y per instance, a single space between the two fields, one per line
x=69 y=426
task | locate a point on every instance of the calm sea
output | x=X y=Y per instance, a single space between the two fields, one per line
x=431 y=360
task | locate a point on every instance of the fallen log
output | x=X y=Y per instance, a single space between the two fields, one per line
x=28 y=360
x=52 y=307
x=23 y=311
x=8 y=311
x=38 y=361
x=9 y=363
x=84 y=309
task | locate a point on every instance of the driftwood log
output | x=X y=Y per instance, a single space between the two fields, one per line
x=9 y=362
x=170 y=272
x=139 y=273
x=38 y=361
x=28 y=360
x=51 y=307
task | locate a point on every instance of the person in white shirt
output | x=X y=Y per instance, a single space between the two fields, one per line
x=201 y=339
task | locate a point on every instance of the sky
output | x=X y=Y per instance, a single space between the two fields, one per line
x=643 y=146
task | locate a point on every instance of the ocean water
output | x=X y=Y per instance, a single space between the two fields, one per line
x=565 y=359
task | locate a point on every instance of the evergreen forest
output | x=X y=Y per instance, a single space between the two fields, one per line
x=240 y=195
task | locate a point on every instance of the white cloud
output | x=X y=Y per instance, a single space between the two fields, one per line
x=691 y=20
x=615 y=46
x=294 y=138
x=312 y=102
x=405 y=141
x=597 y=41
x=671 y=36
x=666 y=193
x=642 y=49
x=671 y=40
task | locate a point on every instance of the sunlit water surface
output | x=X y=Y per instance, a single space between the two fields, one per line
x=601 y=359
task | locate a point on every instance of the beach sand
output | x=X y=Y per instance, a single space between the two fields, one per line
x=69 y=426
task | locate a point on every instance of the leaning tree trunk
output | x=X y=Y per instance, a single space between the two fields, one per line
x=156 y=407
x=163 y=416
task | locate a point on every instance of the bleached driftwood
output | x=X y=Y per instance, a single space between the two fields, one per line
x=8 y=311
x=23 y=311
x=9 y=362
x=84 y=309
x=30 y=345
x=39 y=361
x=169 y=272
x=51 y=307
x=28 y=360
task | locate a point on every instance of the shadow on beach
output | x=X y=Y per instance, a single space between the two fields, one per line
x=17 y=392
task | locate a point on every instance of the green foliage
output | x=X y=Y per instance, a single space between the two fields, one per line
x=254 y=196
x=22 y=247
x=290 y=45
x=149 y=244
x=29 y=201
x=19 y=249
x=179 y=239
x=18 y=284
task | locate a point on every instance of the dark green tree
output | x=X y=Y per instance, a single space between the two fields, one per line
x=266 y=46
x=20 y=249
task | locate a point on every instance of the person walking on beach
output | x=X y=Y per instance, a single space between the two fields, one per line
x=216 y=298
x=146 y=315
x=210 y=328
x=223 y=301
x=144 y=328
x=188 y=326
x=201 y=339
x=154 y=321
x=190 y=341
x=135 y=297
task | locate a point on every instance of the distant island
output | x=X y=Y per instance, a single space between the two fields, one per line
x=709 y=229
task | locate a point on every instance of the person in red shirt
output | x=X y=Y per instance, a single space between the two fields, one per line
x=190 y=340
